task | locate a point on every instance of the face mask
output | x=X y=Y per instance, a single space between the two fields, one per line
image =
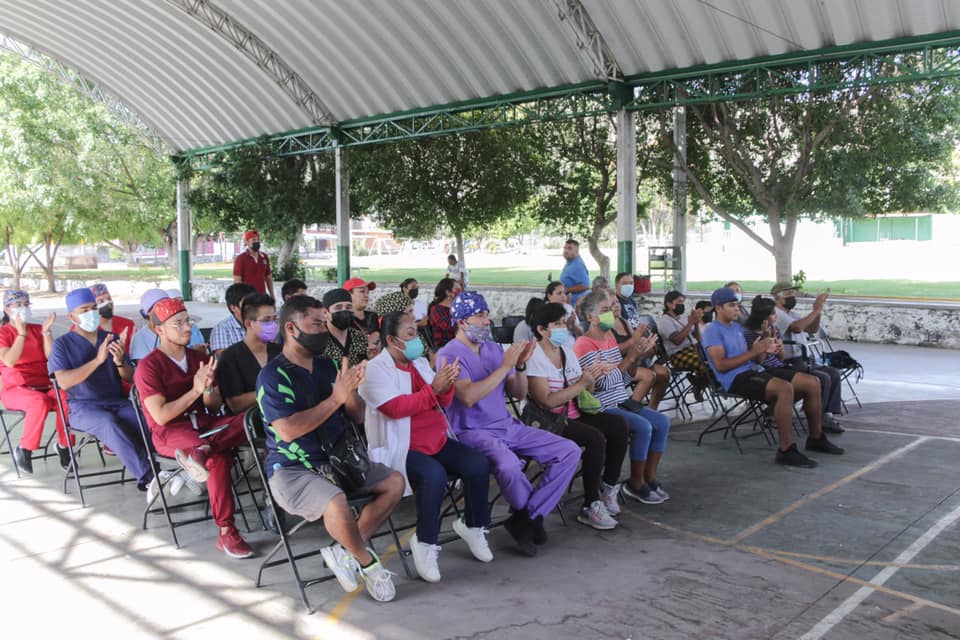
x=413 y=349
x=738 y=297
x=342 y=319
x=708 y=317
x=312 y=342
x=790 y=302
x=607 y=321
x=105 y=309
x=560 y=336
x=626 y=290
x=679 y=309
x=477 y=334
x=412 y=293
x=268 y=331
x=255 y=246
x=89 y=320
x=24 y=313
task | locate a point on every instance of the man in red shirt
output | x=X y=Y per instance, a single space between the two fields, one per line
x=178 y=388
x=109 y=322
x=24 y=347
x=253 y=266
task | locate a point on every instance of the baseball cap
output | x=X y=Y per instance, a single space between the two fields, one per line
x=149 y=298
x=334 y=296
x=780 y=287
x=466 y=304
x=353 y=283
x=250 y=233
x=722 y=295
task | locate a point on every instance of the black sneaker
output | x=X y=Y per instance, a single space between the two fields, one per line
x=831 y=424
x=631 y=405
x=823 y=445
x=520 y=528
x=23 y=459
x=64 y=454
x=793 y=458
x=539 y=533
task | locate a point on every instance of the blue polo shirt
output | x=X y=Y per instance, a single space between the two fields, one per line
x=71 y=351
x=730 y=337
x=283 y=389
x=575 y=272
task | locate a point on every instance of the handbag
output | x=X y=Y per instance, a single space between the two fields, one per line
x=588 y=403
x=348 y=459
x=536 y=416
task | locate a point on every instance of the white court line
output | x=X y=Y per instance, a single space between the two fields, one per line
x=854 y=601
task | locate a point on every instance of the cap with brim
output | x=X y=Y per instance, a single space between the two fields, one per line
x=167 y=308
x=722 y=295
x=13 y=296
x=151 y=297
x=250 y=233
x=780 y=287
x=334 y=296
x=80 y=297
x=466 y=304
x=353 y=283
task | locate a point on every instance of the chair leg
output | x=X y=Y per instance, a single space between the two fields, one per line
x=403 y=556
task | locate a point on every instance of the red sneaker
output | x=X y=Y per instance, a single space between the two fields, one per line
x=194 y=462
x=233 y=545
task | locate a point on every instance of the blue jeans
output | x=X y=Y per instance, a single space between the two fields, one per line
x=648 y=431
x=428 y=479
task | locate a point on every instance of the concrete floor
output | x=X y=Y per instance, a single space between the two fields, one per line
x=866 y=545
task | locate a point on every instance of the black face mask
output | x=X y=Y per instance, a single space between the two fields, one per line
x=789 y=302
x=679 y=309
x=708 y=317
x=412 y=293
x=106 y=311
x=342 y=320
x=255 y=246
x=312 y=342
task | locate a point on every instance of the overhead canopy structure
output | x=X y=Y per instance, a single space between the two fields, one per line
x=315 y=75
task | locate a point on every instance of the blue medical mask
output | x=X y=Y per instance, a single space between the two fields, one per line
x=560 y=336
x=738 y=297
x=626 y=290
x=89 y=320
x=413 y=349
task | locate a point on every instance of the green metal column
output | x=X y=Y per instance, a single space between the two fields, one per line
x=343 y=216
x=183 y=238
x=626 y=190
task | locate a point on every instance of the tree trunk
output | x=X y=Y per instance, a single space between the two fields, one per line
x=14 y=256
x=285 y=256
x=170 y=245
x=783 y=248
x=458 y=234
x=599 y=256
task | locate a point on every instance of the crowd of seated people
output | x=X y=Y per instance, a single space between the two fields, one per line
x=430 y=390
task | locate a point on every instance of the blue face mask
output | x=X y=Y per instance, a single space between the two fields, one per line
x=626 y=290
x=90 y=320
x=738 y=297
x=413 y=349
x=560 y=336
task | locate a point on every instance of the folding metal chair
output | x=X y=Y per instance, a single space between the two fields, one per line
x=254 y=429
x=16 y=418
x=74 y=452
x=821 y=346
x=171 y=470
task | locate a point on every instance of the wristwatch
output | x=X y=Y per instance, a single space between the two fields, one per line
x=521 y=367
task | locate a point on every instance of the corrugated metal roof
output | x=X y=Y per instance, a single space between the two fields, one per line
x=196 y=89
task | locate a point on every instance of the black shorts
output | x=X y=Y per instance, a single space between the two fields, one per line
x=753 y=384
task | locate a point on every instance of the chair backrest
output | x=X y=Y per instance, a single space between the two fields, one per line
x=511 y=322
x=712 y=381
x=649 y=320
x=503 y=335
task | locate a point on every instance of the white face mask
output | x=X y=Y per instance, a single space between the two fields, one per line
x=89 y=320
x=626 y=290
x=22 y=312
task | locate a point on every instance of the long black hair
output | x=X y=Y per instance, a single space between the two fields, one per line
x=545 y=315
x=760 y=310
x=551 y=288
x=441 y=290
x=389 y=325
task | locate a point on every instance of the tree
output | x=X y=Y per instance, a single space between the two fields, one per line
x=251 y=187
x=845 y=152
x=579 y=181
x=462 y=182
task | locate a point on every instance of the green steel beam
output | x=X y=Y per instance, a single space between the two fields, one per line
x=914 y=59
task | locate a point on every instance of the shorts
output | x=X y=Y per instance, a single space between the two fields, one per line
x=752 y=384
x=303 y=493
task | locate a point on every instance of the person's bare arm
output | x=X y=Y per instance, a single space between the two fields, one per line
x=68 y=378
x=722 y=363
x=303 y=422
x=677 y=337
x=810 y=323
x=239 y=404
x=470 y=392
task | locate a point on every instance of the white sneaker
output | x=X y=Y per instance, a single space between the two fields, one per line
x=343 y=565
x=476 y=539
x=378 y=581
x=425 y=559
x=609 y=494
x=153 y=489
x=596 y=516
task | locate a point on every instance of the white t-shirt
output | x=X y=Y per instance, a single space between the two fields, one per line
x=419 y=309
x=668 y=325
x=522 y=332
x=539 y=366
x=784 y=320
x=456 y=271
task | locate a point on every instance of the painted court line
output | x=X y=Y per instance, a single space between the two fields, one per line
x=854 y=601
x=779 y=515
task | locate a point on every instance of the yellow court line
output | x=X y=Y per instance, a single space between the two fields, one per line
x=856 y=562
x=779 y=515
x=341 y=607
x=905 y=611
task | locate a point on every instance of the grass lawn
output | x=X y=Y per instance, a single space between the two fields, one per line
x=519 y=276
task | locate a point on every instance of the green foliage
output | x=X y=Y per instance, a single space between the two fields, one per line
x=294 y=268
x=799 y=278
x=463 y=182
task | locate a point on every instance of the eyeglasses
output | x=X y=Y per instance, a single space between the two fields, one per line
x=180 y=325
x=267 y=319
